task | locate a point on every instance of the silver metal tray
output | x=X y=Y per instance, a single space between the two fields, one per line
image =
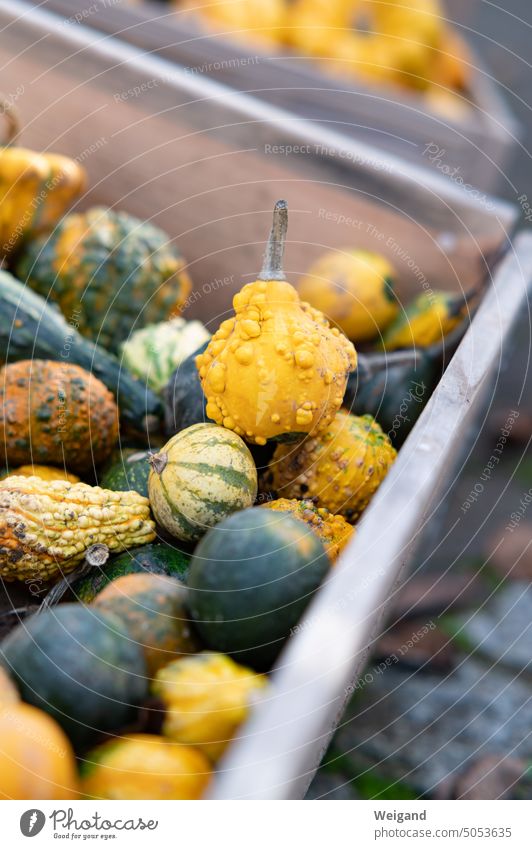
x=200 y=160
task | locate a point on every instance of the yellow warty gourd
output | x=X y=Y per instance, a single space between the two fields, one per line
x=276 y=369
x=35 y=191
x=333 y=531
x=46 y=527
x=340 y=468
x=207 y=697
x=353 y=289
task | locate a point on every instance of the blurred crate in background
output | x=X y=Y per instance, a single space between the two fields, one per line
x=473 y=142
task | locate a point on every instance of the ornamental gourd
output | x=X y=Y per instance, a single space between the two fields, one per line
x=152 y=608
x=80 y=666
x=354 y=290
x=45 y=473
x=276 y=370
x=46 y=527
x=108 y=271
x=427 y=320
x=55 y=414
x=35 y=191
x=144 y=766
x=36 y=758
x=340 y=468
x=154 y=352
x=31 y=328
x=202 y=475
x=333 y=531
x=206 y=698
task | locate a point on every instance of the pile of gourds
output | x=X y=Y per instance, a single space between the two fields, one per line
x=186 y=557
x=407 y=43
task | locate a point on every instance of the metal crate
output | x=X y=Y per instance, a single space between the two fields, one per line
x=478 y=145
x=197 y=158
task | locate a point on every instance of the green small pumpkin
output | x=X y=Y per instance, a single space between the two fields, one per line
x=109 y=272
x=202 y=475
x=157 y=558
x=183 y=396
x=131 y=472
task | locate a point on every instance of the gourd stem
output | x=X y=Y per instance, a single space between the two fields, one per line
x=158 y=462
x=458 y=303
x=96 y=555
x=12 y=120
x=272 y=266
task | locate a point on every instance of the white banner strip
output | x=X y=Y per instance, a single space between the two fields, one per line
x=263 y=825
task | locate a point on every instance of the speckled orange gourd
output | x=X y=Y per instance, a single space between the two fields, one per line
x=276 y=369
x=334 y=531
x=55 y=413
x=207 y=697
x=47 y=527
x=340 y=468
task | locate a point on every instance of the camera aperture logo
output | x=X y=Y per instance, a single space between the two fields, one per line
x=32 y=822
x=66 y=825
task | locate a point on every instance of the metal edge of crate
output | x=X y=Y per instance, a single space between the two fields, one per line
x=282 y=744
x=498 y=127
x=418 y=186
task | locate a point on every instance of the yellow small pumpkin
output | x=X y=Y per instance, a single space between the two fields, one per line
x=145 y=766
x=207 y=697
x=353 y=289
x=333 y=531
x=276 y=369
x=35 y=191
x=45 y=473
x=340 y=469
x=36 y=758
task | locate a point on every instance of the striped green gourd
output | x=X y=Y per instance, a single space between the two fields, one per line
x=203 y=474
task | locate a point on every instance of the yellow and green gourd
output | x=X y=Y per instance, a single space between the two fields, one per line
x=206 y=697
x=276 y=369
x=36 y=189
x=354 y=290
x=427 y=320
x=203 y=474
x=154 y=352
x=47 y=527
x=340 y=468
x=109 y=272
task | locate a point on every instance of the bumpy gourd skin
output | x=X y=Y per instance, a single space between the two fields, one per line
x=353 y=289
x=35 y=191
x=207 y=697
x=47 y=527
x=55 y=413
x=333 y=531
x=109 y=272
x=425 y=321
x=276 y=368
x=340 y=468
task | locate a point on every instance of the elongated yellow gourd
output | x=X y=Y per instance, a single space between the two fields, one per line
x=46 y=527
